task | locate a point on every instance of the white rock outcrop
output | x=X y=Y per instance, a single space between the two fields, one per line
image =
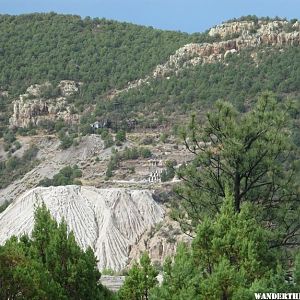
x=34 y=108
x=108 y=220
x=235 y=36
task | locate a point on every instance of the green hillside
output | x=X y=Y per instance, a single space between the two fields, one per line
x=104 y=54
x=240 y=80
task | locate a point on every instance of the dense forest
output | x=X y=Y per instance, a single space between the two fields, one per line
x=239 y=81
x=105 y=55
x=102 y=53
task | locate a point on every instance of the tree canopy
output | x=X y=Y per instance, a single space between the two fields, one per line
x=253 y=155
x=229 y=259
x=140 y=280
x=50 y=265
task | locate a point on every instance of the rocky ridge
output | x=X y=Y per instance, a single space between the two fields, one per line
x=235 y=36
x=35 y=106
x=31 y=108
x=108 y=220
x=249 y=35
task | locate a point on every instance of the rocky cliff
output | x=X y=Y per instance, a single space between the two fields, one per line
x=42 y=103
x=234 y=37
x=111 y=221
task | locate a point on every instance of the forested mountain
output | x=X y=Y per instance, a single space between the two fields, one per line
x=104 y=54
x=239 y=80
x=121 y=67
x=104 y=104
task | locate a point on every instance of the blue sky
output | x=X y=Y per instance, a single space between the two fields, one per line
x=183 y=15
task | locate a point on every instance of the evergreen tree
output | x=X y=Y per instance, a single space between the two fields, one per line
x=140 y=280
x=252 y=154
x=51 y=265
x=229 y=259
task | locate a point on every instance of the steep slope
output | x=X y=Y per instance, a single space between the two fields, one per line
x=52 y=159
x=236 y=36
x=245 y=59
x=108 y=220
x=103 y=53
x=141 y=68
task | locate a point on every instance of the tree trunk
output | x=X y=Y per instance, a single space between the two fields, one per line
x=237 y=194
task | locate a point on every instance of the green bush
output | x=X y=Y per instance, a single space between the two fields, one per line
x=66 y=176
x=15 y=167
x=127 y=154
x=121 y=136
x=169 y=172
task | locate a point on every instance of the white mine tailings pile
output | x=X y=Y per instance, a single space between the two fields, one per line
x=108 y=220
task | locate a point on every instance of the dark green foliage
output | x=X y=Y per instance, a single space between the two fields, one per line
x=169 y=172
x=127 y=154
x=105 y=55
x=120 y=137
x=229 y=259
x=102 y=53
x=297 y=270
x=253 y=154
x=50 y=265
x=112 y=165
x=31 y=153
x=66 y=176
x=67 y=135
x=240 y=81
x=108 y=141
x=14 y=167
x=9 y=137
x=66 y=141
x=4 y=206
x=140 y=280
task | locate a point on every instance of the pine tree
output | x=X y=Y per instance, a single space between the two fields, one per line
x=252 y=154
x=140 y=280
x=228 y=259
x=50 y=265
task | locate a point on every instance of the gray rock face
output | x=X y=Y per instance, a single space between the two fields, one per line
x=247 y=28
x=249 y=35
x=108 y=220
x=239 y=35
x=32 y=108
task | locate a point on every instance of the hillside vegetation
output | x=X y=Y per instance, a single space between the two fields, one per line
x=239 y=80
x=110 y=109
x=106 y=55
x=102 y=53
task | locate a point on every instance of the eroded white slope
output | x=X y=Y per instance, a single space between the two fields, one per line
x=108 y=220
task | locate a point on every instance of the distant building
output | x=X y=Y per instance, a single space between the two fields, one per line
x=155 y=176
x=106 y=123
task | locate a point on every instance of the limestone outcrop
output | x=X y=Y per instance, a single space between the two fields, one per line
x=42 y=103
x=111 y=221
x=236 y=36
x=259 y=28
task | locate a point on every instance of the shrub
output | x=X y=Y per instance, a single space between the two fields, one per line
x=66 y=176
